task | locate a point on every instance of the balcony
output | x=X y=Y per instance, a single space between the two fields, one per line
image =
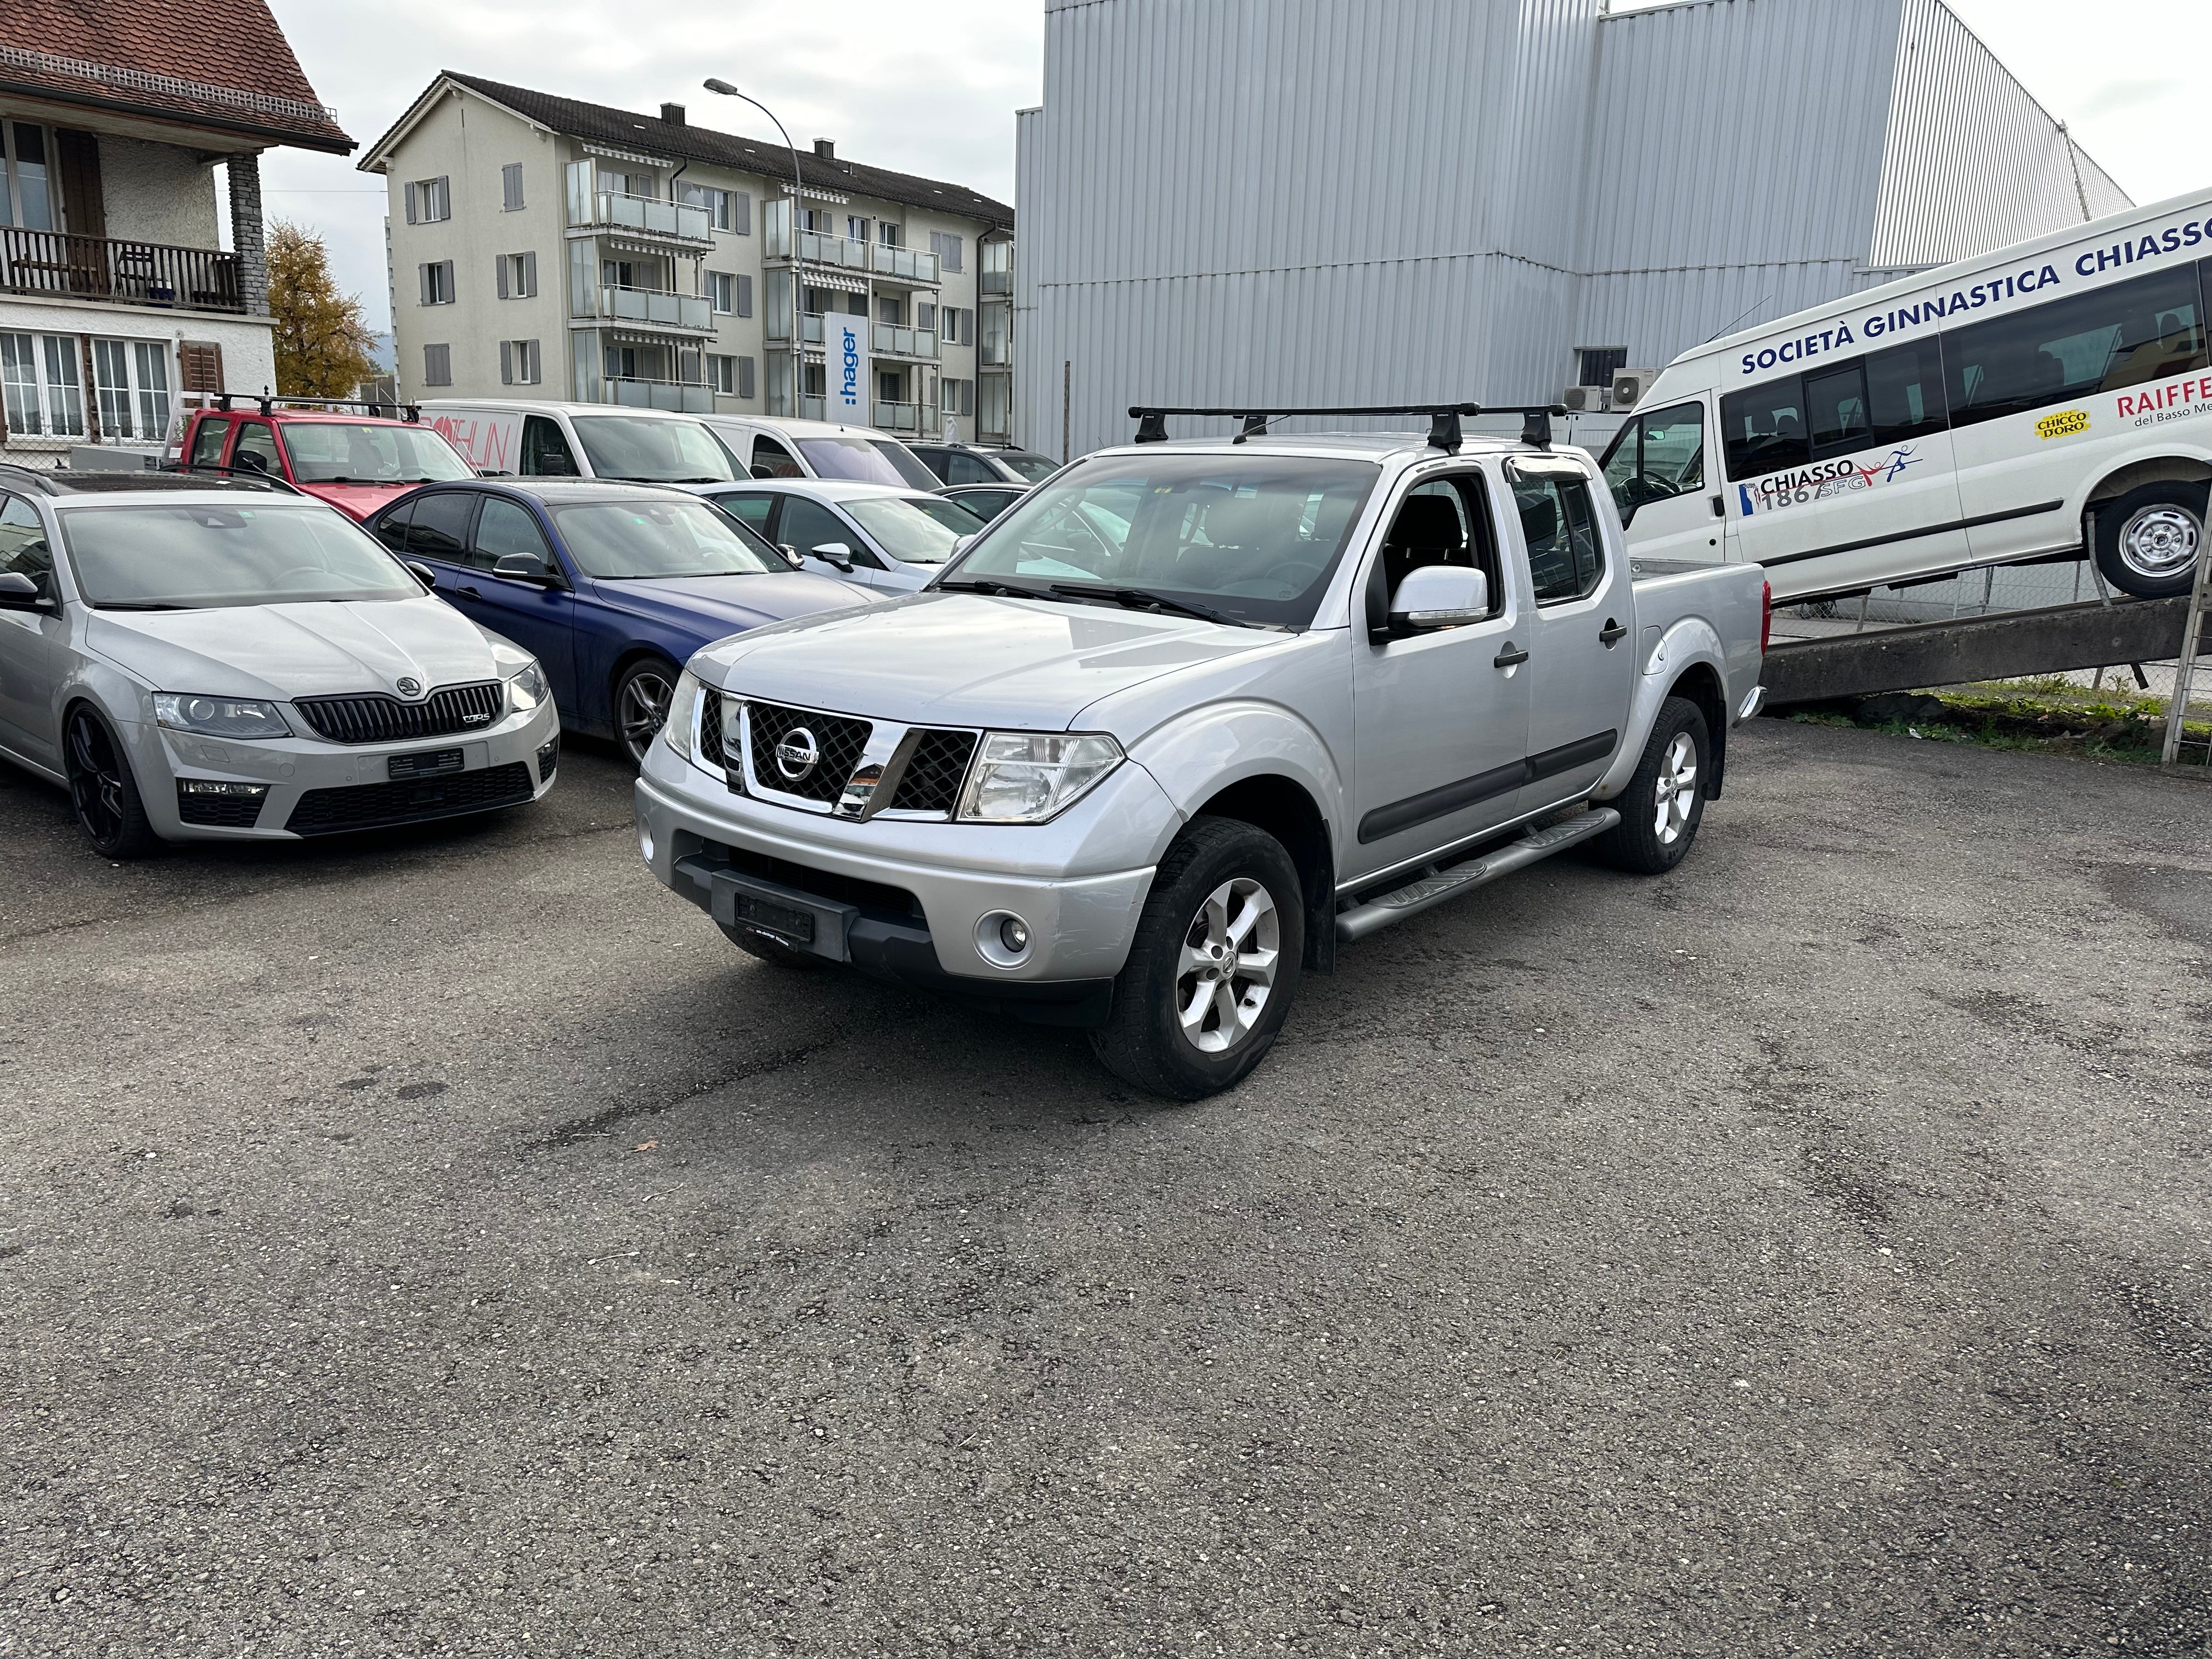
x=778 y=328
x=995 y=283
x=898 y=417
x=686 y=312
x=52 y=261
x=897 y=264
x=891 y=340
x=679 y=397
x=642 y=215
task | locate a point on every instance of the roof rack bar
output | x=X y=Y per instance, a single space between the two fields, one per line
x=269 y=400
x=1444 y=419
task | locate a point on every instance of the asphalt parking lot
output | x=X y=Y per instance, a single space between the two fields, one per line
x=451 y=1244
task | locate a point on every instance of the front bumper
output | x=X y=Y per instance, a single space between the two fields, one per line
x=315 y=788
x=912 y=901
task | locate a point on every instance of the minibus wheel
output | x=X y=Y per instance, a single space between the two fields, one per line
x=2149 y=541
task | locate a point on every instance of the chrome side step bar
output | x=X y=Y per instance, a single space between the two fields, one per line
x=1434 y=888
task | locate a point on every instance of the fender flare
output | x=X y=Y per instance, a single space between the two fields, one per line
x=1691 y=642
x=1195 y=757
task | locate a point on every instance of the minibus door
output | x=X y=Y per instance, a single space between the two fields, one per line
x=1659 y=471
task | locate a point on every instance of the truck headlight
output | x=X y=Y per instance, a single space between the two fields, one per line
x=1027 y=777
x=680 y=729
x=527 y=688
x=219 y=717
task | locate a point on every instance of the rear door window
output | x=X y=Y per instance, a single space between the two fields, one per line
x=1763 y=428
x=1566 y=561
x=965 y=469
x=440 y=526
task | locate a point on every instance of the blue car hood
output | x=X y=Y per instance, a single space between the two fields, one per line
x=729 y=604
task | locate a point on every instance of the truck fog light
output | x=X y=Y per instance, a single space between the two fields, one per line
x=645 y=841
x=1002 y=939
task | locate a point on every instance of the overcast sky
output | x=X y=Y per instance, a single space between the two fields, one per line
x=931 y=88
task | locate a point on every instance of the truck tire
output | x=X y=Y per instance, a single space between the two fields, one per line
x=768 y=948
x=1665 y=800
x=2149 y=540
x=1214 y=965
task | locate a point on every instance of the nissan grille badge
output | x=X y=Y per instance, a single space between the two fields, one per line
x=409 y=686
x=796 y=755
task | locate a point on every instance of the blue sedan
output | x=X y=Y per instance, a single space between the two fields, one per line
x=612 y=587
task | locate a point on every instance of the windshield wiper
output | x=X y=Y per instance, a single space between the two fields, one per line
x=1141 y=599
x=139 y=604
x=985 y=585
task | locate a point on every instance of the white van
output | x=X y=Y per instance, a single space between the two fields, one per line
x=2013 y=408
x=506 y=437
x=772 y=447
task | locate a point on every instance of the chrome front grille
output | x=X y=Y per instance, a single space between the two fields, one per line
x=376 y=718
x=852 y=759
x=837 y=741
x=931 y=782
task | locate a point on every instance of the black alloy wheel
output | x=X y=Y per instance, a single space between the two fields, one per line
x=641 y=699
x=103 y=793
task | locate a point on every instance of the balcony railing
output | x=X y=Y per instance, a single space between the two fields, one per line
x=645 y=214
x=898 y=417
x=896 y=342
x=134 y=273
x=778 y=328
x=679 y=396
x=850 y=253
x=650 y=306
x=994 y=282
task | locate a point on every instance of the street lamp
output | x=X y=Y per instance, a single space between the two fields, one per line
x=797 y=250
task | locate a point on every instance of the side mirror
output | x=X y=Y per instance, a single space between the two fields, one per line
x=1438 y=596
x=521 y=567
x=18 y=593
x=424 y=573
x=960 y=546
x=838 y=553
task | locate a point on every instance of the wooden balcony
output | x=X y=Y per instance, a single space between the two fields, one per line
x=50 y=262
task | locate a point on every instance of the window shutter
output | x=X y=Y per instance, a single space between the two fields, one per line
x=507 y=362
x=530 y=348
x=744 y=377
x=510 y=185
x=443 y=189
x=501 y=264
x=199 y=365
x=530 y=276
x=411 y=203
x=741 y=213
x=445 y=290
x=423 y=279
x=744 y=295
x=437 y=365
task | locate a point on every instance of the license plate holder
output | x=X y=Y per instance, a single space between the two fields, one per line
x=737 y=899
x=424 y=763
x=781 y=919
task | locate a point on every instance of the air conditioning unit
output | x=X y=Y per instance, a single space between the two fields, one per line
x=1629 y=385
x=1585 y=399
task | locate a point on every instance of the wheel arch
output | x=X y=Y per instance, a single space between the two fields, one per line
x=628 y=657
x=2132 y=476
x=1284 y=808
x=1701 y=684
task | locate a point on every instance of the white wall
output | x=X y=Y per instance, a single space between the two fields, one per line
x=157 y=193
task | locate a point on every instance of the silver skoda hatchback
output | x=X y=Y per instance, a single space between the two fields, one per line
x=198 y=658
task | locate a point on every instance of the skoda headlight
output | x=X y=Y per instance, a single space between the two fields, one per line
x=1026 y=777
x=527 y=688
x=219 y=717
x=681 y=726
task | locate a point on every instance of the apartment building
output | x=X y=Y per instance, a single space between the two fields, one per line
x=116 y=292
x=541 y=245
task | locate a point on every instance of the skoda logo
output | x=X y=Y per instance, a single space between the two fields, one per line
x=411 y=687
x=797 y=754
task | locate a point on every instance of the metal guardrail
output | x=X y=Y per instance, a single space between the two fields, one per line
x=154 y=274
x=652 y=306
x=649 y=215
x=678 y=396
x=898 y=341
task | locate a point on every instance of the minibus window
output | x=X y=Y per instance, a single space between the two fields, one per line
x=1905 y=393
x=1837 y=399
x=1764 y=429
x=2130 y=333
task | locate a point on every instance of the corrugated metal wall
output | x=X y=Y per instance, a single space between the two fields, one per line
x=1374 y=201
x=1973 y=162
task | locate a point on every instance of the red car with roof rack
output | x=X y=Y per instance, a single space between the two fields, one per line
x=338 y=450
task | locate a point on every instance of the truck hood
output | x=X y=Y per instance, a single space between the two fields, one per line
x=360 y=503
x=969 y=658
x=729 y=604
x=285 y=651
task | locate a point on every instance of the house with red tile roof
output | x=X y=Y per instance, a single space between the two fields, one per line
x=120 y=291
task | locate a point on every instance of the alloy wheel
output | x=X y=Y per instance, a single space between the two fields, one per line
x=1227 y=969
x=645 y=698
x=2160 y=540
x=1675 y=796
x=95 y=778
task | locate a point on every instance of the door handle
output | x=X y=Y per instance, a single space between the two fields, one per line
x=1509 y=655
x=1612 y=634
x=468 y=593
x=1720 y=507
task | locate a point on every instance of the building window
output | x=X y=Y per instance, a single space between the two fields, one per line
x=437 y=365
x=43 y=392
x=947 y=248
x=510 y=187
x=429 y=200
x=887 y=233
x=437 y=283
x=889 y=308
x=995 y=417
x=722 y=375
x=820 y=221
x=130 y=384
x=518 y=362
x=1597 y=364
x=956 y=397
x=518 y=276
x=722 y=206
x=925 y=314
x=956 y=325
x=26 y=194
x=722 y=291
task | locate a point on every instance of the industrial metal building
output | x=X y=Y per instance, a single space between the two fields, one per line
x=1290 y=202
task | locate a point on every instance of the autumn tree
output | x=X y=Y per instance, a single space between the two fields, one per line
x=322 y=341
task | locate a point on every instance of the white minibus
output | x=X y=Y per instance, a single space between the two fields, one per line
x=2018 y=408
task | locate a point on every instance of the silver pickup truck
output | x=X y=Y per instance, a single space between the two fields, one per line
x=1190 y=715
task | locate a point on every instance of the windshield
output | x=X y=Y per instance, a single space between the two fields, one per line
x=648 y=451
x=203 y=556
x=1255 y=538
x=342 y=451
x=618 y=541
x=866 y=461
x=1032 y=467
x=916 y=531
